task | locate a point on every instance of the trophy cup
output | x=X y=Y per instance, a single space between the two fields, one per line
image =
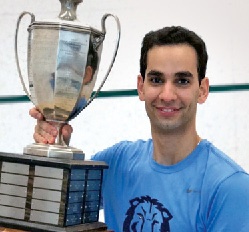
x=52 y=187
x=63 y=60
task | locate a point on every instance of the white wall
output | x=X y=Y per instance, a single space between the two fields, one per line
x=223 y=24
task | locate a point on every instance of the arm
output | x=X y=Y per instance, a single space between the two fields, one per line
x=229 y=209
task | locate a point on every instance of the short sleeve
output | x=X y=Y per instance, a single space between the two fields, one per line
x=229 y=209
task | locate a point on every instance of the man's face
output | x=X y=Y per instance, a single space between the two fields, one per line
x=171 y=88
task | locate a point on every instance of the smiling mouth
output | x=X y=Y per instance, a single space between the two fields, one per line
x=167 y=110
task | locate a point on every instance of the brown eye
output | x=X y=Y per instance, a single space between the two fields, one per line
x=183 y=81
x=156 y=80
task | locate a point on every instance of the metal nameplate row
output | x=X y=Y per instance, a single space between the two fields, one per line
x=94 y=174
x=47 y=183
x=49 y=195
x=77 y=218
x=82 y=174
x=50 y=172
x=91 y=206
x=92 y=196
x=78 y=174
x=22 y=169
x=13 y=190
x=47 y=206
x=93 y=185
x=44 y=217
x=12 y=212
x=20 y=180
x=8 y=200
x=77 y=185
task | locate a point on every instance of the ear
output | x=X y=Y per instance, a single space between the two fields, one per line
x=88 y=75
x=140 y=87
x=203 y=90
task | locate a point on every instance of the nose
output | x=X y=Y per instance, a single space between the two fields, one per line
x=168 y=92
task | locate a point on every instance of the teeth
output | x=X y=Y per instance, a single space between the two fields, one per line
x=168 y=110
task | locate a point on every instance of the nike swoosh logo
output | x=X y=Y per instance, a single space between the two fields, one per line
x=192 y=191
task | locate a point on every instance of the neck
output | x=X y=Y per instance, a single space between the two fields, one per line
x=171 y=148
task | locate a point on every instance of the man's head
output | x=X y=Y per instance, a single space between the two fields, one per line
x=173 y=36
x=91 y=65
x=172 y=80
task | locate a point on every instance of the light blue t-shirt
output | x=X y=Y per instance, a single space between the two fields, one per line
x=206 y=191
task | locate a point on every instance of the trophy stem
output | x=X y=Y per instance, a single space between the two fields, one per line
x=60 y=149
x=59 y=139
x=68 y=9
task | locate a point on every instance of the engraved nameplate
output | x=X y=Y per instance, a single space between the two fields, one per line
x=77 y=185
x=56 y=173
x=46 y=183
x=14 y=179
x=47 y=206
x=93 y=185
x=15 y=168
x=12 y=201
x=37 y=216
x=92 y=195
x=11 y=212
x=78 y=174
x=48 y=195
x=75 y=197
x=90 y=217
x=91 y=206
x=94 y=174
x=13 y=190
x=74 y=208
x=73 y=219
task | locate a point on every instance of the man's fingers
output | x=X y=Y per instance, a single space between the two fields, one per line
x=35 y=113
x=45 y=132
x=67 y=130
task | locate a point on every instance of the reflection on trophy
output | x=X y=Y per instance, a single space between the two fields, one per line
x=52 y=187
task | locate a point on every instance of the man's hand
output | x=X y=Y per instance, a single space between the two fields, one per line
x=46 y=132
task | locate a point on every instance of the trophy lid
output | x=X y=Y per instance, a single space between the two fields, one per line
x=60 y=25
x=67 y=20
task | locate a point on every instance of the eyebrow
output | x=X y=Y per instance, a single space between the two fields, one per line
x=180 y=74
x=183 y=74
x=154 y=73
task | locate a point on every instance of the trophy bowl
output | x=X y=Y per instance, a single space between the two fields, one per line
x=62 y=61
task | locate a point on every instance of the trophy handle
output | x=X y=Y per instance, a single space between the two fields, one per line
x=114 y=53
x=16 y=52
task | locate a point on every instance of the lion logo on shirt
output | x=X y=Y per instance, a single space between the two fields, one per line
x=146 y=215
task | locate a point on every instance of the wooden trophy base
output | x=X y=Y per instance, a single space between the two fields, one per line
x=50 y=194
x=20 y=226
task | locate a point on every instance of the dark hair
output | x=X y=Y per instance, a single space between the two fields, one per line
x=92 y=58
x=173 y=36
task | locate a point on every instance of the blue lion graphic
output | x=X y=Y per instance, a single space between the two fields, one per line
x=146 y=215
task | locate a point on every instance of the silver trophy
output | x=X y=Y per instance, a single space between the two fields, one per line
x=62 y=62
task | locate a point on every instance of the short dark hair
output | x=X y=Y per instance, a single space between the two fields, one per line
x=92 y=58
x=172 y=36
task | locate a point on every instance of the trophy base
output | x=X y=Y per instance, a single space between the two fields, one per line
x=35 y=227
x=50 y=194
x=54 y=151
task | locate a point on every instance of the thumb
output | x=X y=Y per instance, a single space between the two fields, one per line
x=67 y=131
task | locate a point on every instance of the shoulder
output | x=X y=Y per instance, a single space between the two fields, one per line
x=229 y=207
x=218 y=168
x=126 y=149
x=218 y=163
x=225 y=191
x=236 y=183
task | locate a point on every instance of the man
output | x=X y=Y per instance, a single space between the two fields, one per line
x=175 y=181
